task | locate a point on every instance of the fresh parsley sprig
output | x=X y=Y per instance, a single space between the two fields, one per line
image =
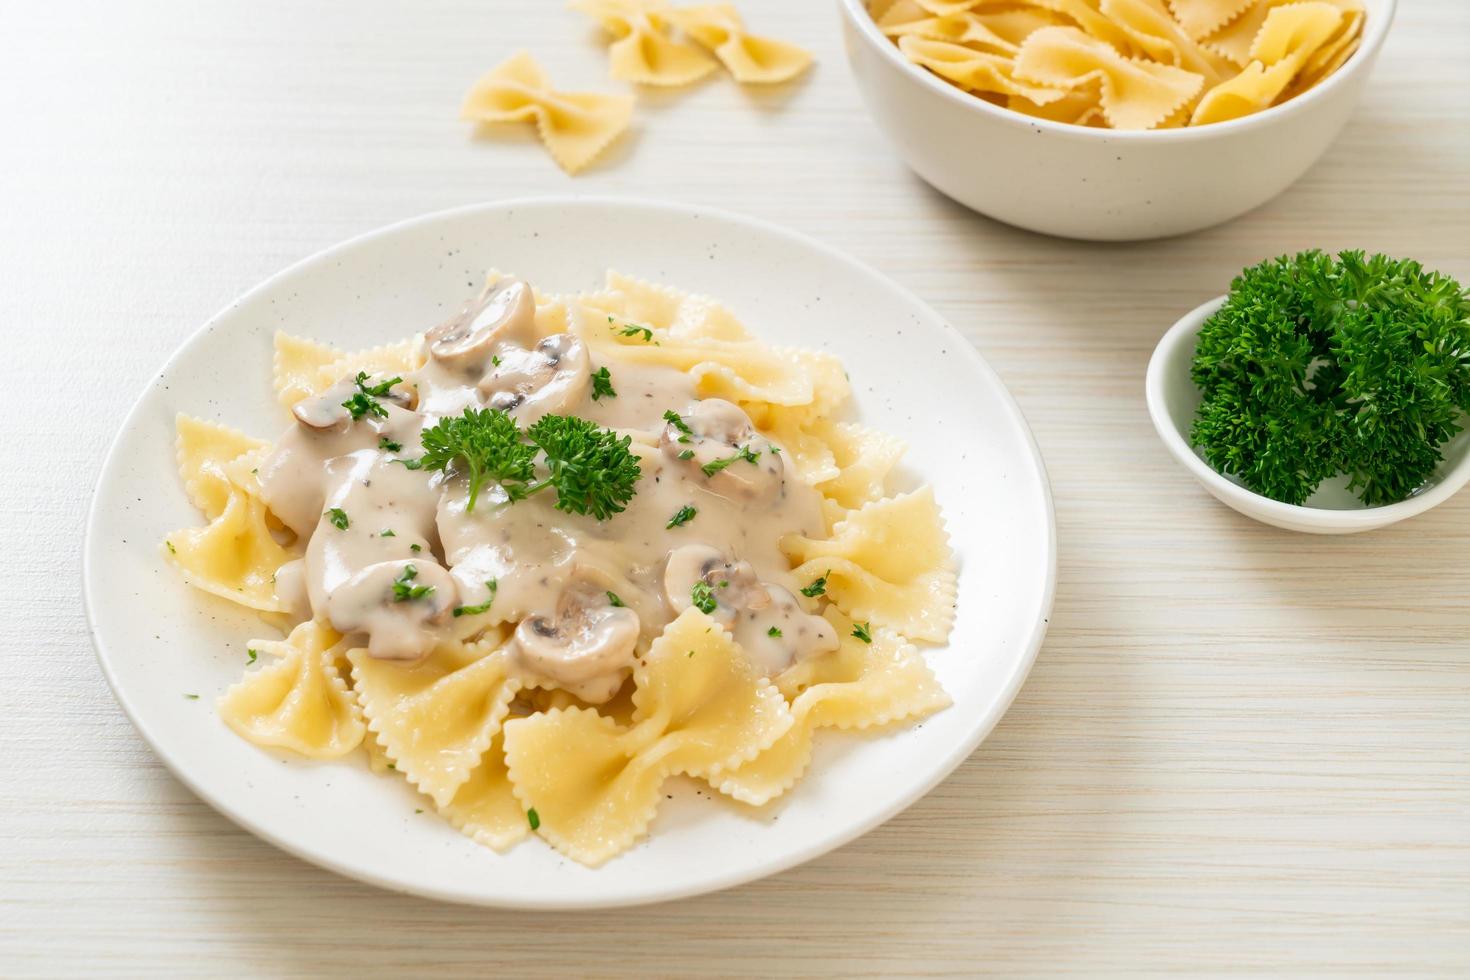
x=741 y=452
x=1318 y=365
x=592 y=469
x=602 y=386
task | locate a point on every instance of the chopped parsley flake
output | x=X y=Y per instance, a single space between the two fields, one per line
x=774 y=631
x=613 y=599
x=490 y=584
x=683 y=516
x=703 y=597
x=415 y=548
x=252 y=655
x=533 y=818
x=862 y=632
x=602 y=385
x=389 y=445
x=388 y=532
x=337 y=517
x=672 y=417
x=741 y=452
x=192 y=697
x=633 y=330
x=495 y=360
x=403 y=591
x=819 y=587
x=687 y=454
x=364 y=401
x=171 y=549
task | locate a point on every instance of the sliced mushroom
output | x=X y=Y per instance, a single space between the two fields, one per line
x=722 y=444
x=749 y=608
x=733 y=585
x=587 y=648
x=506 y=311
x=551 y=378
x=328 y=412
x=398 y=604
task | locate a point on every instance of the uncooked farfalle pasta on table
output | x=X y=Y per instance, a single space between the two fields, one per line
x=1127 y=64
x=556 y=550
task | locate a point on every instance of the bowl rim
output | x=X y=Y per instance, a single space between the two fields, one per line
x=1375 y=31
x=1253 y=504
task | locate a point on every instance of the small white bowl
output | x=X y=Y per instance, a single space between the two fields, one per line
x=1098 y=184
x=1173 y=400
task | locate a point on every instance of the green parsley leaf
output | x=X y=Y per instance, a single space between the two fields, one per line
x=171 y=549
x=684 y=515
x=388 y=532
x=592 y=468
x=686 y=454
x=364 y=401
x=403 y=591
x=251 y=655
x=818 y=587
x=741 y=452
x=774 y=631
x=613 y=599
x=682 y=427
x=337 y=517
x=861 y=631
x=633 y=330
x=703 y=597
x=415 y=548
x=602 y=385
x=492 y=585
x=495 y=360
x=192 y=697
x=389 y=445
x=533 y=818
x=483 y=443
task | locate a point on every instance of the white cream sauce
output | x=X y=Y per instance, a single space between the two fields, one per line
x=393 y=552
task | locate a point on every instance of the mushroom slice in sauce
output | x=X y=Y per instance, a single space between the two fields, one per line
x=398 y=604
x=506 y=311
x=587 y=648
x=718 y=431
x=552 y=377
x=767 y=621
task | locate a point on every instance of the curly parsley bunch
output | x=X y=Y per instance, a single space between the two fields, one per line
x=1317 y=366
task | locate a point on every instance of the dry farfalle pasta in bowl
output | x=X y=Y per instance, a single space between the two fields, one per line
x=1112 y=119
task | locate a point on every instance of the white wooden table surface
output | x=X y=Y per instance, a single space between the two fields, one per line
x=1242 y=749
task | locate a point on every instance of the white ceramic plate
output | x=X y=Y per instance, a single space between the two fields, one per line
x=913 y=375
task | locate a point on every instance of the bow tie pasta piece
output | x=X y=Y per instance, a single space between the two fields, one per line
x=1080 y=107
x=962 y=28
x=700 y=708
x=203 y=450
x=685 y=315
x=304 y=368
x=235 y=556
x=1152 y=30
x=575 y=126
x=1134 y=94
x=484 y=807
x=975 y=71
x=643 y=51
x=806 y=452
x=862 y=685
x=888 y=563
x=298 y=702
x=436 y=719
x=864 y=459
x=749 y=59
x=296 y=364
x=1201 y=18
x=1289 y=36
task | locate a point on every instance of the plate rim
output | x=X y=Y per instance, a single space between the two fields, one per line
x=734 y=877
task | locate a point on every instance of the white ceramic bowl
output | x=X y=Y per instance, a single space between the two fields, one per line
x=1098 y=184
x=1173 y=401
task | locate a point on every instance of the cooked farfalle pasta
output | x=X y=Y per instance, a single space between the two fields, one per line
x=539 y=663
x=1127 y=64
x=575 y=126
x=645 y=50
